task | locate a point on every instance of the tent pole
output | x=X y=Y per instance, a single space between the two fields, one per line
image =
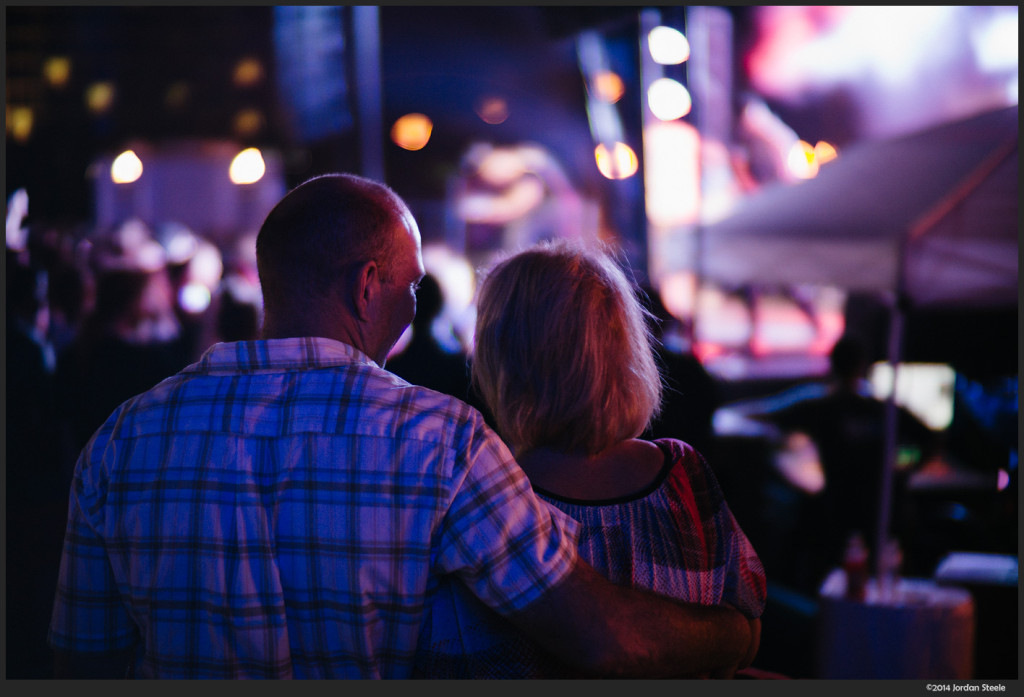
x=896 y=319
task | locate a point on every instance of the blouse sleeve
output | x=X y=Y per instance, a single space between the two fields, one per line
x=744 y=582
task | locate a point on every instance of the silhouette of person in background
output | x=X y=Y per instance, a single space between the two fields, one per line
x=847 y=427
x=36 y=494
x=237 y=316
x=424 y=361
x=128 y=342
x=691 y=395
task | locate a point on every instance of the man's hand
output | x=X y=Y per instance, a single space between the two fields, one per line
x=748 y=658
x=594 y=625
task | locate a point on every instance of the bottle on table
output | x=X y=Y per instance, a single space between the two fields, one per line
x=855 y=565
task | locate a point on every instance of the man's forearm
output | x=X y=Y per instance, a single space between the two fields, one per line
x=606 y=629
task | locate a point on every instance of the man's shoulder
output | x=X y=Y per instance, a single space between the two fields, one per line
x=409 y=397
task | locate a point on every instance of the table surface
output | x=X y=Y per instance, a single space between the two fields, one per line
x=918 y=630
x=906 y=592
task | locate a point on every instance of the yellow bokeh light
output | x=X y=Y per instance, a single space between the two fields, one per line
x=19 y=122
x=248 y=167
x=412 y=131
x=99 y=97
x=248 y=122
x=608 y=86
x=492 y=110
x=126 y=168
x=57 y=71
x=668 y=46
x=620 y=163
x=825 y=152
x=801 y=161
x=248 y=72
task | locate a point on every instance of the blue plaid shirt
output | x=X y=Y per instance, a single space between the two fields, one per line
x=286 y=508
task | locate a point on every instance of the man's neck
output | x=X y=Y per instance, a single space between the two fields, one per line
x=342 y=329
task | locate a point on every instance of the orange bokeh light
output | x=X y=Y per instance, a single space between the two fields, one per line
x=412 y=131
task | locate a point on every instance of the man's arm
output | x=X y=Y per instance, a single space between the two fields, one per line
x=599 y=627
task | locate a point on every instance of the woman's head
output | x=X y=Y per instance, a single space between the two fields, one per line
x=564 y=357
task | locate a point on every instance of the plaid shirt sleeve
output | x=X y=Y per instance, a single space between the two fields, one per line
x=505 y=543
x=89 y=613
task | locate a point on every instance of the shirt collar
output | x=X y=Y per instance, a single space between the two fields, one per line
x=277 y=355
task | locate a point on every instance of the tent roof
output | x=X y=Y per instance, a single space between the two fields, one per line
x=947 y=195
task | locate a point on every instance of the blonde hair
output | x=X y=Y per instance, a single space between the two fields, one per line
x=564 y=354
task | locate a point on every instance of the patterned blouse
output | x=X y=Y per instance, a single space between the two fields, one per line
x=676 y=537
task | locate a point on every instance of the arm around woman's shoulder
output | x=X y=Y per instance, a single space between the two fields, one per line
x=609 y=630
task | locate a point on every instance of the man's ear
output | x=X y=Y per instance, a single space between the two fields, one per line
x=367 y=284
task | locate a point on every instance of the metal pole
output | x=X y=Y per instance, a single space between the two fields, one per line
x=891 y=435
x=369 y=97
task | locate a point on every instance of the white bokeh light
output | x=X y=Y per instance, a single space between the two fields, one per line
x=668 y=46
x=669 y=99
x=126 y=168
x=248 y=167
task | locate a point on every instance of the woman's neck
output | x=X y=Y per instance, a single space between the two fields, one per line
x=625 y=468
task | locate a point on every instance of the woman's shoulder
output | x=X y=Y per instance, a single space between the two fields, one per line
x=680 y=452
x=688 y=466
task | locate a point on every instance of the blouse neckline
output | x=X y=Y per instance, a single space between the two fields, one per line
x=642 y=493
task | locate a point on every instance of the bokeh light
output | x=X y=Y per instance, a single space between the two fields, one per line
x=194 y=298
x=19 y=122
x=620 y=163
x=412 y=131
x=248 y=72
x=668 y=99
x=248 y=122
x=247 y=167
x=99 y=97
x=57 y=71
x=672 y=173
x=608 y=86
x=678 y=292
x=825 y=152
x=207 y=265
x=126 y=168
x=492 y=110
x=668 y=46
x=801 y=161
x=1002 y=480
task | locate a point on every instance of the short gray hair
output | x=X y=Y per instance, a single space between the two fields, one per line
x=320 y=229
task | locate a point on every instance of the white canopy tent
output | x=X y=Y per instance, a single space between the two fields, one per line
x=927 y=220
x=931 y=216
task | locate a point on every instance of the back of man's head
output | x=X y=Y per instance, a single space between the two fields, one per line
x=316 y=234
x=849 y=359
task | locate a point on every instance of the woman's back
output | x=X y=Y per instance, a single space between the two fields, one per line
x=675 y=536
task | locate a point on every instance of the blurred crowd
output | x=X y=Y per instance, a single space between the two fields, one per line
x=94 y=317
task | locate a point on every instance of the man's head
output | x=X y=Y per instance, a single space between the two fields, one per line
x=848 y=359
x=339 y=257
